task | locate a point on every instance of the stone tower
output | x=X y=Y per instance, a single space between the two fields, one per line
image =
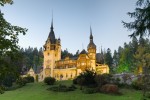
x=92 y=51
x=52 y=53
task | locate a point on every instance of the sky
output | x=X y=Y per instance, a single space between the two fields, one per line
x=72 y=20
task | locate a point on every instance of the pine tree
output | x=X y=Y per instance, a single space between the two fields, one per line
x=141 y=23
x=108 y=59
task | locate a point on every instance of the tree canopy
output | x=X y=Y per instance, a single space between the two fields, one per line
x=141 y=24
x=9 y=56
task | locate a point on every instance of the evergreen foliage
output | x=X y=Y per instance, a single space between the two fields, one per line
x=108 y=59
x=29 y=79
x=86 y=78
x=32 y=57
x=49 y=80
x=141 y=23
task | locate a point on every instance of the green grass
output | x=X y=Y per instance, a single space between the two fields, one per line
x=37 y=91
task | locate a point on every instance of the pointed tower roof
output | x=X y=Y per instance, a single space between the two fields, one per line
x=91 y=36
x=52 y=34
x=83 y=52
x=91 y=44
x=101 y=50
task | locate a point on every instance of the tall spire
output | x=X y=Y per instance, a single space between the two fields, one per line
x=52 y=21
x=90 y=30
x=91 y=36
x=91 y=44
x=52 y=34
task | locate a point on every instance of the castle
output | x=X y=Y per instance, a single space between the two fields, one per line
x=68 y=68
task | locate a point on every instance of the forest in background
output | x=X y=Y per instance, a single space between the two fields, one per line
x=128 y=58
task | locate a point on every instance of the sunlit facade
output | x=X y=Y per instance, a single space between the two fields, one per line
x=69 y=68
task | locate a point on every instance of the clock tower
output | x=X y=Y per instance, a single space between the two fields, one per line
x=52 y=53
x=92 y=51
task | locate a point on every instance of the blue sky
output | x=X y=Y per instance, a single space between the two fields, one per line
x=72 y=20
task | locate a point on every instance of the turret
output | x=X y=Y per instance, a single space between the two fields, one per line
x=52 y=52
x=91 y=47
x=92 y=51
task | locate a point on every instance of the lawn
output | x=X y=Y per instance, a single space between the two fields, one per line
x=37 y=91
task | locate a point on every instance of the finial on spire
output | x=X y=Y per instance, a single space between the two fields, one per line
x=52 y=21
x=91 y=36
x=90 y=30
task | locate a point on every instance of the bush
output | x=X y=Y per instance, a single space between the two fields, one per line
x=49 y=80
x=72 y=88
x=29 y=79
x=110 y=88
x=118 y=82
x=75 y=81
x=89 y=90
x=62 y=88
x=85 y=78
x=2 y=89
x=21 y=81
x=103 y=79
x=8 y=80
x=137 y=84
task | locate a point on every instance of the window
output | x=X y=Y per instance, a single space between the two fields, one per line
x=82 y=63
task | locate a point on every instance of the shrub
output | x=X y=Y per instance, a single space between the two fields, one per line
x=110 y=88
x=49 y=80
x=118 y=82
x=21 y=81
x=137 y=84
x=147 y=95
x=2 y=89
x=29 y=79
x=86 y=78
x=89 y=90
x=8 y=80
x=72 y=88
x=62 y=88
x=103 y=79
x=75 y=81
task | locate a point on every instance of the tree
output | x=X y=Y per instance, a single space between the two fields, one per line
x=115 y=59
x=126 y=59
x=141 y=27
x=141 y=24
x=142 y=57
x=9 y=55
x=108 y=59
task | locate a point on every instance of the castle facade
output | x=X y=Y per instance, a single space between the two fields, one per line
x=69 y=68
